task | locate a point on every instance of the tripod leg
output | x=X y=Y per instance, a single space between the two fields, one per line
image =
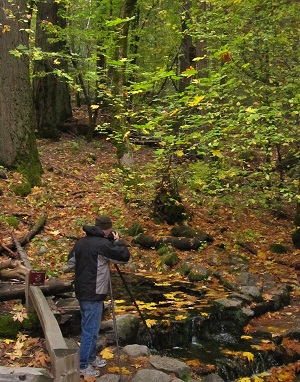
x=115 y=328
x=134 y=302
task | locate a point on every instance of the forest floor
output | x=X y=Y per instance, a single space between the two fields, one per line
x=81 y=180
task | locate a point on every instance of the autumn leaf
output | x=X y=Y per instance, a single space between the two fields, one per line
x=180 y=317
x=150 y=322
x=20 y=316
x=193 y=363
x=7 y=341
x=107 y=353
x=116 y=370
x=196 y=100
x=42 y=358
x=246 y=337
x=248 y=355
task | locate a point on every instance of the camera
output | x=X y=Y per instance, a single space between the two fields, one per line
x=111 y=236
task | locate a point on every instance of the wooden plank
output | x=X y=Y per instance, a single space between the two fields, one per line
x=52 y=332
x=65 y=361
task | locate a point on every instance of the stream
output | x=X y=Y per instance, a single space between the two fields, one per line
x=185 y=324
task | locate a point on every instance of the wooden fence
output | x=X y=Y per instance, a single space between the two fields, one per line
x=65 y=361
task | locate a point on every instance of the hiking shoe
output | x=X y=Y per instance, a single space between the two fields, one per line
x=89 y=372
x=98 y=362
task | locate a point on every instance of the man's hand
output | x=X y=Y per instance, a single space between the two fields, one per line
x=115 y=235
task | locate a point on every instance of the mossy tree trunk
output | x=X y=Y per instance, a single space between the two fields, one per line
x=17 y=128
x=51 y=93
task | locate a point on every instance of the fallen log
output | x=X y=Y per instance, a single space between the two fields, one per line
x=21 y=252
x=30 y=234
x=13 y=291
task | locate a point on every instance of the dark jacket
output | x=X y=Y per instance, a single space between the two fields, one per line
x=90 y=257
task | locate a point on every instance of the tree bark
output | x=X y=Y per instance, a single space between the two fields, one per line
x=17 y=140
x=51 y=93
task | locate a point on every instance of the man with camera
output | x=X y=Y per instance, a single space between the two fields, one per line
x=91 y=257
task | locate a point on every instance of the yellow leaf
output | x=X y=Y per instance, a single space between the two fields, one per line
x=257 y=379
x=6 y=28
x=94 y=107
x=248 y=355
x=246 y=337
x=196 y=101
x=180 y=317
x=217 y=153
x=107 y=353
x=55 y=232
x=150 y=322
x=7 y=341
x=250 y=110
x=116 y=370
x=174 y=112
x=56 y=62
x=126 y=135
x=193 y=362
x=179 y=153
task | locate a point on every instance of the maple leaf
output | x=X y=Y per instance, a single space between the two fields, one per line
x=107 y=353
x=248 y=355
x=150 y=322
x=20 y=316
x=42 y=358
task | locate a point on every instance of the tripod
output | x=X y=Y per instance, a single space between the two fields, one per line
x=115 y=320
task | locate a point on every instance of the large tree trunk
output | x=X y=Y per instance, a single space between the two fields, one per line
x=17 y=141
x=51 y=94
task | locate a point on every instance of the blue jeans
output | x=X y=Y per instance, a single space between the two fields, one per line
x=91 y=315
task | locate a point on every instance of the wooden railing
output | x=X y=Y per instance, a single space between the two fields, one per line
x=64 y=361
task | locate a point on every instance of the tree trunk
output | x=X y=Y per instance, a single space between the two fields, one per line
x=51 y=93
x=124 y=152
x=188 y=50
x=17 y=140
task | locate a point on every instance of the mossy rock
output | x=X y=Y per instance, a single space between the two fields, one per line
x=192 y=276
x=145 y=241
x=10 y=328
x=135 y=229
x=22 y=189
x=185 y=269
x=279 y=248
x=171 y=259
x=198 y=273
x=188 y=232
x=163 y=250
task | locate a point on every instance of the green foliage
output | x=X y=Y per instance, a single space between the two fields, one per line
x=237 y=118
x=11 y=220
